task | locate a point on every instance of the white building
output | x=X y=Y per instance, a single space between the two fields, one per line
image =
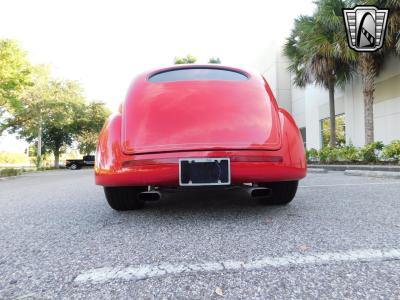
x=310 y=106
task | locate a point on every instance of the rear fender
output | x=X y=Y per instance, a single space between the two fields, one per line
x=108 y=153
x=293 y=142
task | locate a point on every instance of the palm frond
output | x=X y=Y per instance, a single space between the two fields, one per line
x=317 y=47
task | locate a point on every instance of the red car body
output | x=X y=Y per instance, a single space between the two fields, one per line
x=163 y=121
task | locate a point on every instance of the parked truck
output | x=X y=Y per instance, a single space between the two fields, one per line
x=75 y=164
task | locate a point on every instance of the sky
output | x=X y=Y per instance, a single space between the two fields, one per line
x=104 y=44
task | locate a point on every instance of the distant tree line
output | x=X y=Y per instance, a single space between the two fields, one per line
x=190 y=59
x=51 y=113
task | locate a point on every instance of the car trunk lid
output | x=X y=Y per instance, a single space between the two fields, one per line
x=199 y=115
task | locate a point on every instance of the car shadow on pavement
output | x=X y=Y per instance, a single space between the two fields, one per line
x=212 y=204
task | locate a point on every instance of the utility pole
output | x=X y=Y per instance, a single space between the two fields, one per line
x=39 y=146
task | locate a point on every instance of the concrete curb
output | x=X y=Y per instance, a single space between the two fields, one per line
x=378 y=174
x=392 y=168
x=316 y=170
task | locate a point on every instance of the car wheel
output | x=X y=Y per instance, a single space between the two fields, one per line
x=73 y=167
x=124 y=198
x=282 y=192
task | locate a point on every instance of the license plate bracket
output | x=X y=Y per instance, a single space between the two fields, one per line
x=204 y=171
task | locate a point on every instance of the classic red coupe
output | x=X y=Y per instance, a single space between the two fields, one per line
x=196 y=126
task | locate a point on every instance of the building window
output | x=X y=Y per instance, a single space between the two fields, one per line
x=303 y=135
x=340 y=130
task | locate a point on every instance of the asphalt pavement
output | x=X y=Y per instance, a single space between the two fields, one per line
x=338 y=239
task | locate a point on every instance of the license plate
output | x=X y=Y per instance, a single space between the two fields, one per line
x=204 y=171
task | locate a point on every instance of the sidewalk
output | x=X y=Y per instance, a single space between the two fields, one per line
x=380 y=171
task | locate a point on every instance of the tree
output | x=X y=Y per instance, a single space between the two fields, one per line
x=188 y=59
x=49 y=113
x=15 y=72
x=91 y=122
x=214 y=60
x=318 y=56
x=26 y=119
x=370 y=63
x=66 y=104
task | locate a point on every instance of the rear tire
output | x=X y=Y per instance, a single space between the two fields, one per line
x=282 y=192
x=124 y=197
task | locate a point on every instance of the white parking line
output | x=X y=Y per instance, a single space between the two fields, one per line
x=349 y=184
x=165 y=269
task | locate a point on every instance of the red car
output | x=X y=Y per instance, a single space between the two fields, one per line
x=197 y=126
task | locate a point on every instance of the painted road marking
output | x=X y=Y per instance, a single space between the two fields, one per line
x=167 y=269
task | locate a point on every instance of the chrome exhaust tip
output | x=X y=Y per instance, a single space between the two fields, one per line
x=260 y=192
x=149 y=196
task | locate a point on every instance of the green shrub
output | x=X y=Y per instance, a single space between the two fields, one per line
x=392 y=151
x=10 y=172
x=348 y=153
x=328 y=154
x=312 y=154
x=370 y=152
x=37 y=161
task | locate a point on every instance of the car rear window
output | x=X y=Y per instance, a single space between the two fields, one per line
x=186 y=74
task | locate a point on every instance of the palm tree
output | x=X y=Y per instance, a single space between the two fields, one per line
x=370 y=63
x=318 y=55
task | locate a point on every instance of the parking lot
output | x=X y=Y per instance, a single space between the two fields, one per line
x=339 y=238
